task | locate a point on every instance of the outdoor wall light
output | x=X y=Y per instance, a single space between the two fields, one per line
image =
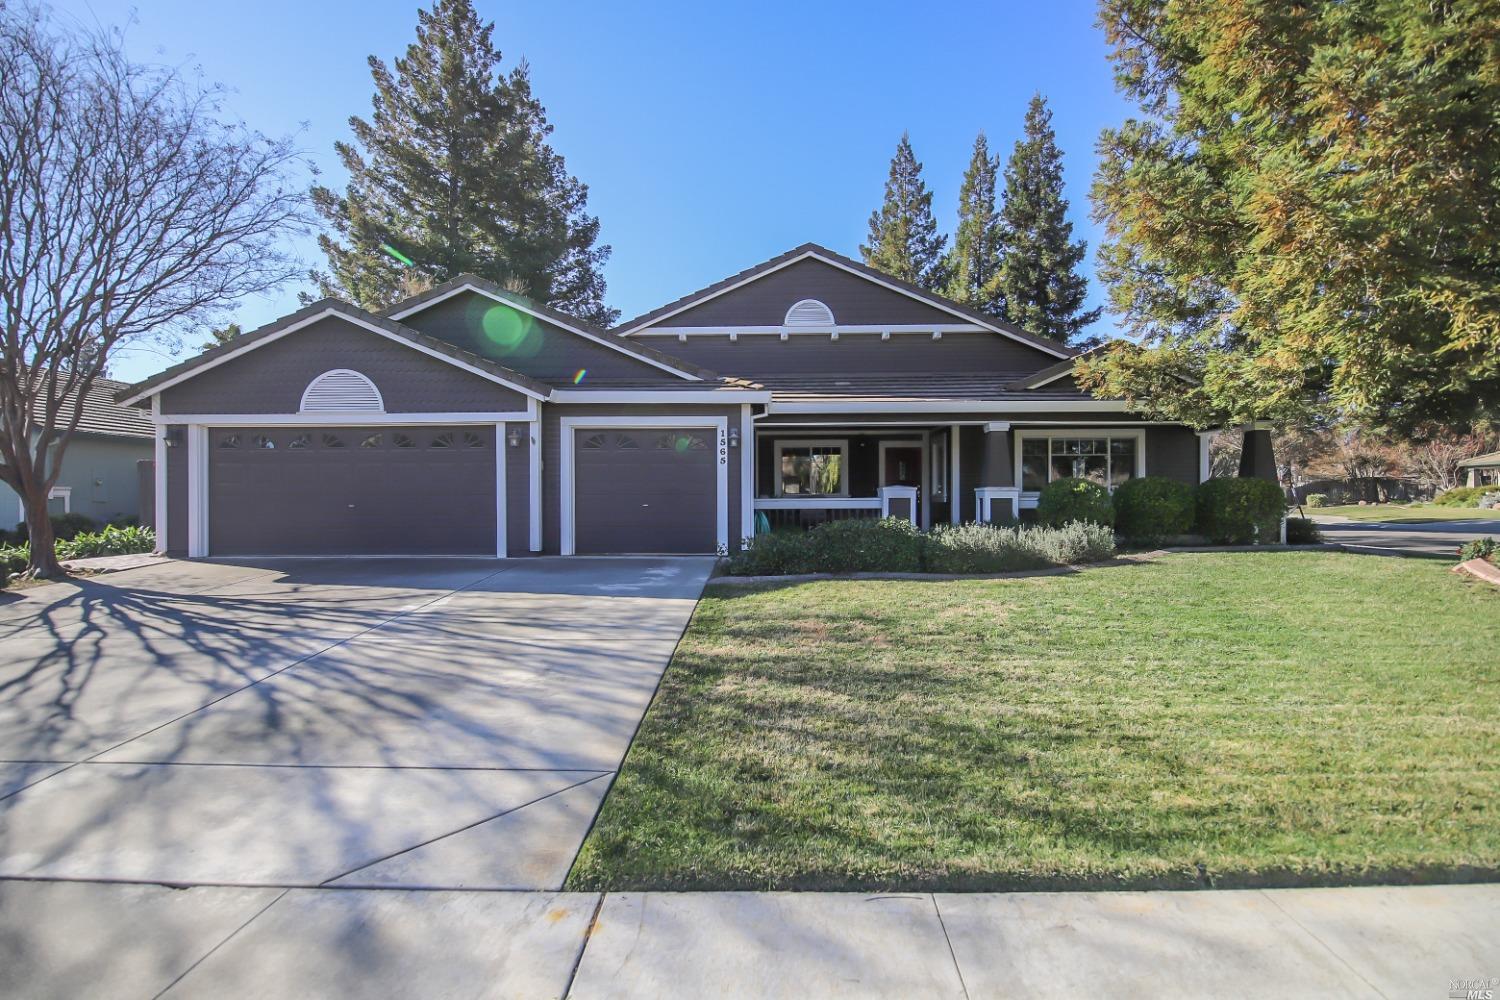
x=513 y=437
x=734 y=437
x=173 y=436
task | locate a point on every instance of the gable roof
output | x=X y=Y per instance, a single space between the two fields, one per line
x=1493 y=458
x=100 y=413
x=816 y=252
x=483 y=286
x=245 y=342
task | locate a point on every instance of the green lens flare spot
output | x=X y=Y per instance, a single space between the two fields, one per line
x=396 y=254
x=506 y=328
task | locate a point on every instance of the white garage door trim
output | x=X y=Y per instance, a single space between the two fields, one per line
x=569 y=425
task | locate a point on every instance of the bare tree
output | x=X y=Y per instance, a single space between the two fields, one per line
x=1432 y=457
x=131 y=208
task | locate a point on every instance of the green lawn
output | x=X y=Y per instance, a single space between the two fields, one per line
x=1287 y=716
x=1396 y=513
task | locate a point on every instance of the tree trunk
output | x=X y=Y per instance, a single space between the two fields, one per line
x=44 y=562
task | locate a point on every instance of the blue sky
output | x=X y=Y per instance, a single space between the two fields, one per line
x=712 y=136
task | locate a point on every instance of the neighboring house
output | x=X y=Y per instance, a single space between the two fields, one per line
x=1482 y=470
x=100 y=474
x=469 y=420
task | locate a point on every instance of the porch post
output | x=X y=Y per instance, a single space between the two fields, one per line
x=955 y=493
x=996 y=472
x=1256 y=458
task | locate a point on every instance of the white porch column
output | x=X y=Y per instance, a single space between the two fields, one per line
x=535 y=472
x=1205 y=462
x=502 y=542
x=955 y=491
x=747 y=473
x=197 y=513
x=159 y=474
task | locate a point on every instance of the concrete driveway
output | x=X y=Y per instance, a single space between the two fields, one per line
x=420 y=723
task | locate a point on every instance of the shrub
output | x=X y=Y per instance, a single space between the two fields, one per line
x=13 y=559
x=111 y=541
x=1302 y=531
x=1152 y=508
x=1240 y=511
x=861 y=545
x=1479 y=548
x=65 y=527
x=1065 y=500
x=1462 y=496
x=1317 y=499
x=986 y=548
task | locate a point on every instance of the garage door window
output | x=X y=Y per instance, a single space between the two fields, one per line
x=680 y=442
x=372 y=441
x=229 y=441
x=332 y=441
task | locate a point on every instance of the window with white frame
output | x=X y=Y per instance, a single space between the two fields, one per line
x=812 y=468
x=1106 y=459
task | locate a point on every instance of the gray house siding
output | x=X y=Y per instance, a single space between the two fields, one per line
x=518 y=491
x=853 y=299
x=766 y=355
x=271 y=379
x=552 y=415
x=509 y=337
x=100 y=471
x=1172 y=452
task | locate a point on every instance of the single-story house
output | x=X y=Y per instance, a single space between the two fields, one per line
x=1482 y=470
x=100 y=475
x=470 y=420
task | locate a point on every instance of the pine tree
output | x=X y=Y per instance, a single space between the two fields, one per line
x=973 y=265
x=1039 y=279
x=904 y=241
x=453 y=173
x=220 y=335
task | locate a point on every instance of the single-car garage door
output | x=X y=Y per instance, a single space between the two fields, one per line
x=645 y=490
x=351 y=491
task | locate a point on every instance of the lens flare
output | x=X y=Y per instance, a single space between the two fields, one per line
x=397 y=254
x=579 y=375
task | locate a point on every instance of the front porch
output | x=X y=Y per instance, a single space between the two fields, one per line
x=949 y=472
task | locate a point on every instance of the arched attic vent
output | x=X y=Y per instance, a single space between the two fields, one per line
x=342 y=390
x=810 y=313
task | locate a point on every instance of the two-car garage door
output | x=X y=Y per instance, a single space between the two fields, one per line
x=351 y=490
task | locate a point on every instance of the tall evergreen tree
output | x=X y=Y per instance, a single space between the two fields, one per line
x=973 y=265
x=904 y=241
x=453 y=173
x=1039 y=279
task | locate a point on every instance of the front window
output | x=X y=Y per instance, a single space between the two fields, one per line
x=812 y=468
x=1108 y=461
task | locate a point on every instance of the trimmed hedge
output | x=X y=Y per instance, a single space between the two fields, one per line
x=1068 y=499
x=985 y=548
x=893 y=545
x=1317 y=499
x=1153 y=508
x=1302 y=531
x=1240 y=511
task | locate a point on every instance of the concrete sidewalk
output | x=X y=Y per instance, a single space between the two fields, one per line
x=68 y=939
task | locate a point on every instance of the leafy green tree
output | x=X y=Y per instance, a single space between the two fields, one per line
x=904 y=241
x=1039 y=282
x=1303 y=216
x=453 y=173
x=973 y=265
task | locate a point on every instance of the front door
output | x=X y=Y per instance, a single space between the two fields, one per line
x=902 y=466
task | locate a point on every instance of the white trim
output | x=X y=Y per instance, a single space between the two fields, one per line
x=356 y=418
x=1205 y=460
x=747 y=473
x=725 y=396
x=568 y=428
x=1037 y=384
x=316 y=317
x=379 y=399
x=1022 y=436
x=197 y=484
x=985 y=497
x=958 y=406
x=955 y=455
x=817 y=503
x=63 y=493
x=837 y=329
x=534 y=483
x=551 y=320
x=997 y=427
x=159 y=488
x=889 y=493
x=815 y=255
x=842 y=444
x=502 y=539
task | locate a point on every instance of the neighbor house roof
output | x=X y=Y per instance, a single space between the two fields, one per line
x=101 y=414
x=484 y=286
x=815 y=251
x=1493 y=458
x=255 y=338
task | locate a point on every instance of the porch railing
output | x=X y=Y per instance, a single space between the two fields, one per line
x=804 y=512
